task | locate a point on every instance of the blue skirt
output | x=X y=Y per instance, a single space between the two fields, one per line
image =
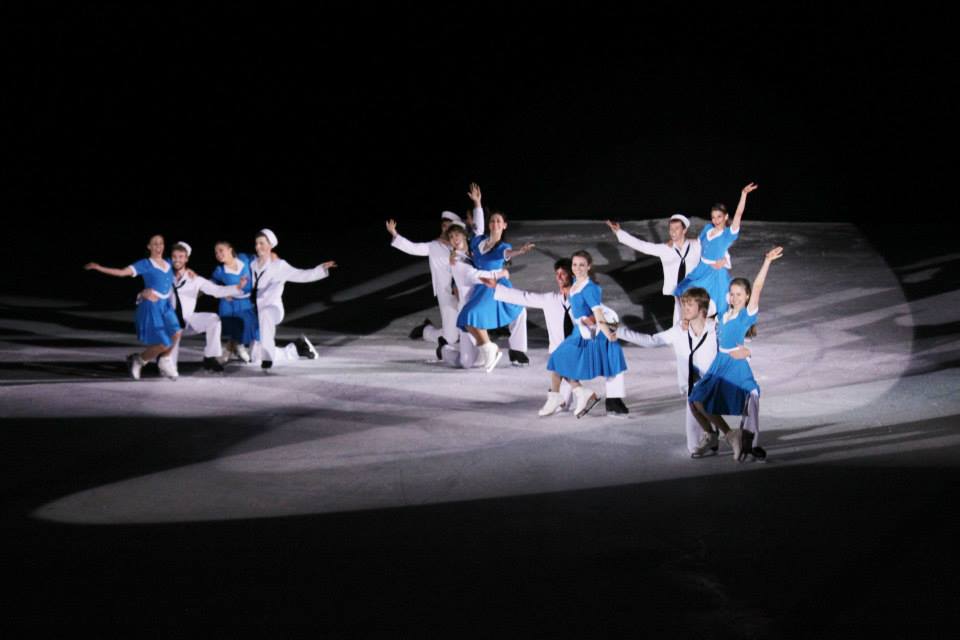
x=725 y=387
x=715 y=281
x=156 y=322
x=482 y=311
x=239 y=321
x=580 y=359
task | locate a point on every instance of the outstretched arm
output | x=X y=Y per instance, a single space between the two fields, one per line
x=661 y=339
x=221 y=291
x=649 y=248
x=509 y=254
x=475 y=196
x=523 y=298
x=735 y=225
x=754 y=304
x=401 y=243
x=119 y=273
x=319 y=272
x=602 y=324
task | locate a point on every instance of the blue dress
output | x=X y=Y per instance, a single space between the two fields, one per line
x=156 y=321
x=725 y=387
x=578 y=358
x=715 y=281
x=238 y=316
x=482 y=311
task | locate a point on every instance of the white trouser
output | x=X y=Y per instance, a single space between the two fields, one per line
x=269 y=318
x=449 y=310
x=694 y=430
x=751 y=416
x=518 y=332
x=616 y=387
x=197 y=323
x=464 y=356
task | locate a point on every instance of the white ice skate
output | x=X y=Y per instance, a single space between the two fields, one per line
x=167 y=368
x=553 y=405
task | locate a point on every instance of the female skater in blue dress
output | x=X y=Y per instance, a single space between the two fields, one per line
x=728 y=385
x=580 y=357
x=237 y=314
x=715 y=239
x=157 y=324
x=482 y=311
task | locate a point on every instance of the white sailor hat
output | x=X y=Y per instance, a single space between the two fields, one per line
x=185 y=246
x=270 y=236
x=457 y=223
x=451 y=216
x=682 y=218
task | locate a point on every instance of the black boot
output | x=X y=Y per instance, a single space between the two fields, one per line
x=518 y=358
x=615 y=407
x=417 y=332
x=441 y=342
x=212 y=364
x=266 y=364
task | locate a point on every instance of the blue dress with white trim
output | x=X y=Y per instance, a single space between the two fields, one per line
x=156 y=321
x=715 y=281
x=727 y=385
x=237 y=315
x=482 y=311
x=579 y=358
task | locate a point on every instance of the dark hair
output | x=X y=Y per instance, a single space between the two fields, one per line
x=743 y=282
x=228 y=245
x=698 y=295
x=179 y=247
x=583 y=253
x=719 y=206
x=565 y=264
x=454 y=228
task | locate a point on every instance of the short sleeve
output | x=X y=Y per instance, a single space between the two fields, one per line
x=475 y=243
x=703 y=232
x=217 y=275
x=140 y=267
x=592 y=295
x=750 y=319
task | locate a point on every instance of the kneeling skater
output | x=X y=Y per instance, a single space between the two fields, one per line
x=583 y=355
x=728 y=387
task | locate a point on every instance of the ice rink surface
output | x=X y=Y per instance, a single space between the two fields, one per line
x=856 y=359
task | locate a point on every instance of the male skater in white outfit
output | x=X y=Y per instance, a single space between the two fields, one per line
x=438 y=251
x=697 y=335
x=678 y=256
x=187 y=287
x=269 y=274
x=556 y=313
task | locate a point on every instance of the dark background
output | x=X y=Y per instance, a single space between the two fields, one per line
x=211 y=123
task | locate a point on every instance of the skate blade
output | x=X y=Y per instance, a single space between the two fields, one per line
x=490 y=367
x=590 y=405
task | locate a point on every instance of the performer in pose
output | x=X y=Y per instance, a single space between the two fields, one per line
x=269 y=274
x=560 y=325
x=678 y=256
x=715 y=238
x=583 y=356
x=439 y=253
x=156 y=322
x=187 y=287
x=694 y=342
x=481 y=312
x=236 y=312
x=728 y=387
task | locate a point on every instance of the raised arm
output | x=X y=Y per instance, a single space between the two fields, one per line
x=754 y=304
x=401 y=243
x=741 y=206
x=126 y=272
x=319 y=272
x=649 y=248
x=509 y=254
x=475 y=196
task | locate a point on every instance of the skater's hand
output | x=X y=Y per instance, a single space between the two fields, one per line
x=243 y=282
x=474 y=194
x=91 y=265
x=740 y=353
x=750 y=187
x=149 y=294
x=191 y=274
x=524 y=249
x=614 y=226
x=502 y=273
x=774 y=254
x=329 y=264
x=392 y=227
x=720 y=264
x=488 y=282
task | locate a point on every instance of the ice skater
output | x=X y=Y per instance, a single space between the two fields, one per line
x=694 y=342
x=678 y=256
x=156 y=322
x=236 y=312
x=583 y=355
x=269 y=274
x=715 y=238
x=482 y=312
x=438 y=251
x=728 y=387
x=559 y=322
x=187 y=287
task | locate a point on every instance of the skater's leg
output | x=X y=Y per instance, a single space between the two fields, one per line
x=518 y=333
x=268 y=318
x=751 y=416
x=208 y=324
x=700 y=415
x=693 y=428
x=448 y=318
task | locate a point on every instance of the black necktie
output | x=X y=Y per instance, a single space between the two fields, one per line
x=682 y=271
x=692 y=373
x=256 y=283
x=567 y=322
x=179 y=309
